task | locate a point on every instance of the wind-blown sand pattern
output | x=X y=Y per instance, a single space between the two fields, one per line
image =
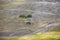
x=45 y=14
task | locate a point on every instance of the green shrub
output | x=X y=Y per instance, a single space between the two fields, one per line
x=29 y=23
x=29 y=16
x=26 y=16
x=22 y=16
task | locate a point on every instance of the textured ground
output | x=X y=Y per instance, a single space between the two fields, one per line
x=43 y=12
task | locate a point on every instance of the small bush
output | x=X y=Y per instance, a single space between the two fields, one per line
x=29 y=23
x=29 y=16
x=22 y=16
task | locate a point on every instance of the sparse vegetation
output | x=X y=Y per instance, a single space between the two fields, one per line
x=11 y=22
x=44 y=36
x=24 y=16
x=29 y=16
x=28 y=23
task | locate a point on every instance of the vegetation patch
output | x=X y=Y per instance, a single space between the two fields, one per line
x=44 y=36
